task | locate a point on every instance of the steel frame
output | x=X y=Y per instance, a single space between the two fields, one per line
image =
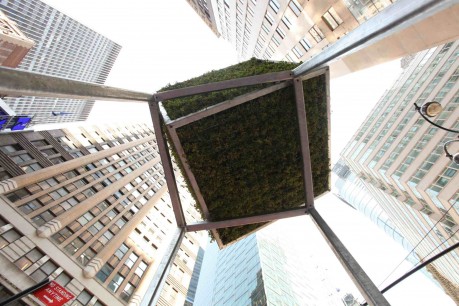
x=395 y=18
x=173 y=125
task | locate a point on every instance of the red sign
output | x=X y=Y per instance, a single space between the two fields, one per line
x=53 y=294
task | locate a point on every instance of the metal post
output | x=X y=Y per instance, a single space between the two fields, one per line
x=222 y=85
x=208 y=225
x=25 y=292
x=15 y=82
x=304 y=140
x=167 y=164
x=393 y=19
x=214 y=109
x=365 y=285
x=153 y=292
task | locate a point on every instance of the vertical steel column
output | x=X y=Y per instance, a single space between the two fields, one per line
x=365 y=285
x=153 y=292
x=167 y=164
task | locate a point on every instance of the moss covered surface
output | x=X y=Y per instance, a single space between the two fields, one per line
x=247 y=159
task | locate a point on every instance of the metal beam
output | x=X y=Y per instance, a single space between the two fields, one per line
x=247 y=81
x=226 y=105
x=194 y=184
x=167 y=165
x=304 y=140
x=207 y=225
x=365 y=285
x=393 y=19
x=14 y=82
x=151 y=296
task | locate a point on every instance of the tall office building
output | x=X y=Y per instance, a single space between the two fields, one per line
x=204 y=9
x=291 y=30
x=64 y=48
x=351 y=190
x=89 y=208
x=263 y=269
x=399 y=158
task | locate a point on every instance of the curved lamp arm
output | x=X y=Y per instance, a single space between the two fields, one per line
x=455 y=157
x=431 y=122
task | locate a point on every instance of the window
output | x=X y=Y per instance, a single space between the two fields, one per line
x=131 y=260
x=115 y=283
x=250 y=10
x=141 y=269
x=280 y=32
x=11 y=235
x=332 y=19
x=84 y=297
x=274 y=4
x=295 y=7
x=122 y=250
x=31 y=168
x=63 y=279
x=4 y=175
x=44 y=271
x=265 y=28
x=104 y=272
x=316 y=33
x=18 y=194
x=11 y=148
x=48 y=152
x=127 y=292
x=286 y=22
x=305 y=43
x=48 y=183
x=21 y=158
x=74 y=246
x=269 y=18
x=30 y=258
x=275 y=40
x=297 y=51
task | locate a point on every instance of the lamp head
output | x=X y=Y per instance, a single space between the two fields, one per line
x=455 y=158
x=431 y=109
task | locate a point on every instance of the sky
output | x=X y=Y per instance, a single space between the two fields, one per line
x=166 y=42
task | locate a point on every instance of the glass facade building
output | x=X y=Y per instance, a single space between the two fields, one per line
x=398 y=157
x=262 y=270
x=64 y=48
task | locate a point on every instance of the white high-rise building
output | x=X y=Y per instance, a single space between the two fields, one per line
x=398 y=157
x=64 y=48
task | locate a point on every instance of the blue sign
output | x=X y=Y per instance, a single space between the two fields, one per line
x=14 y=123
x=21 y=123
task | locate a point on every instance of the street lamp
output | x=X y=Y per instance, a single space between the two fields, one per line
x=453 y=157
x=432 y=109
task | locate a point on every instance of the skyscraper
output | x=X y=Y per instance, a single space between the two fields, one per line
x=291 y=30
x=89 y=208
x=64 y=48
x=399 y=158
x=204 y=9
x=262 y=270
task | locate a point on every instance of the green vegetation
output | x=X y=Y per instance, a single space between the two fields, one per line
x=247 y=160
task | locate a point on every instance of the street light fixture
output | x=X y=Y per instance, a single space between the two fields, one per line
x=453 y=157
x=432 y=109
